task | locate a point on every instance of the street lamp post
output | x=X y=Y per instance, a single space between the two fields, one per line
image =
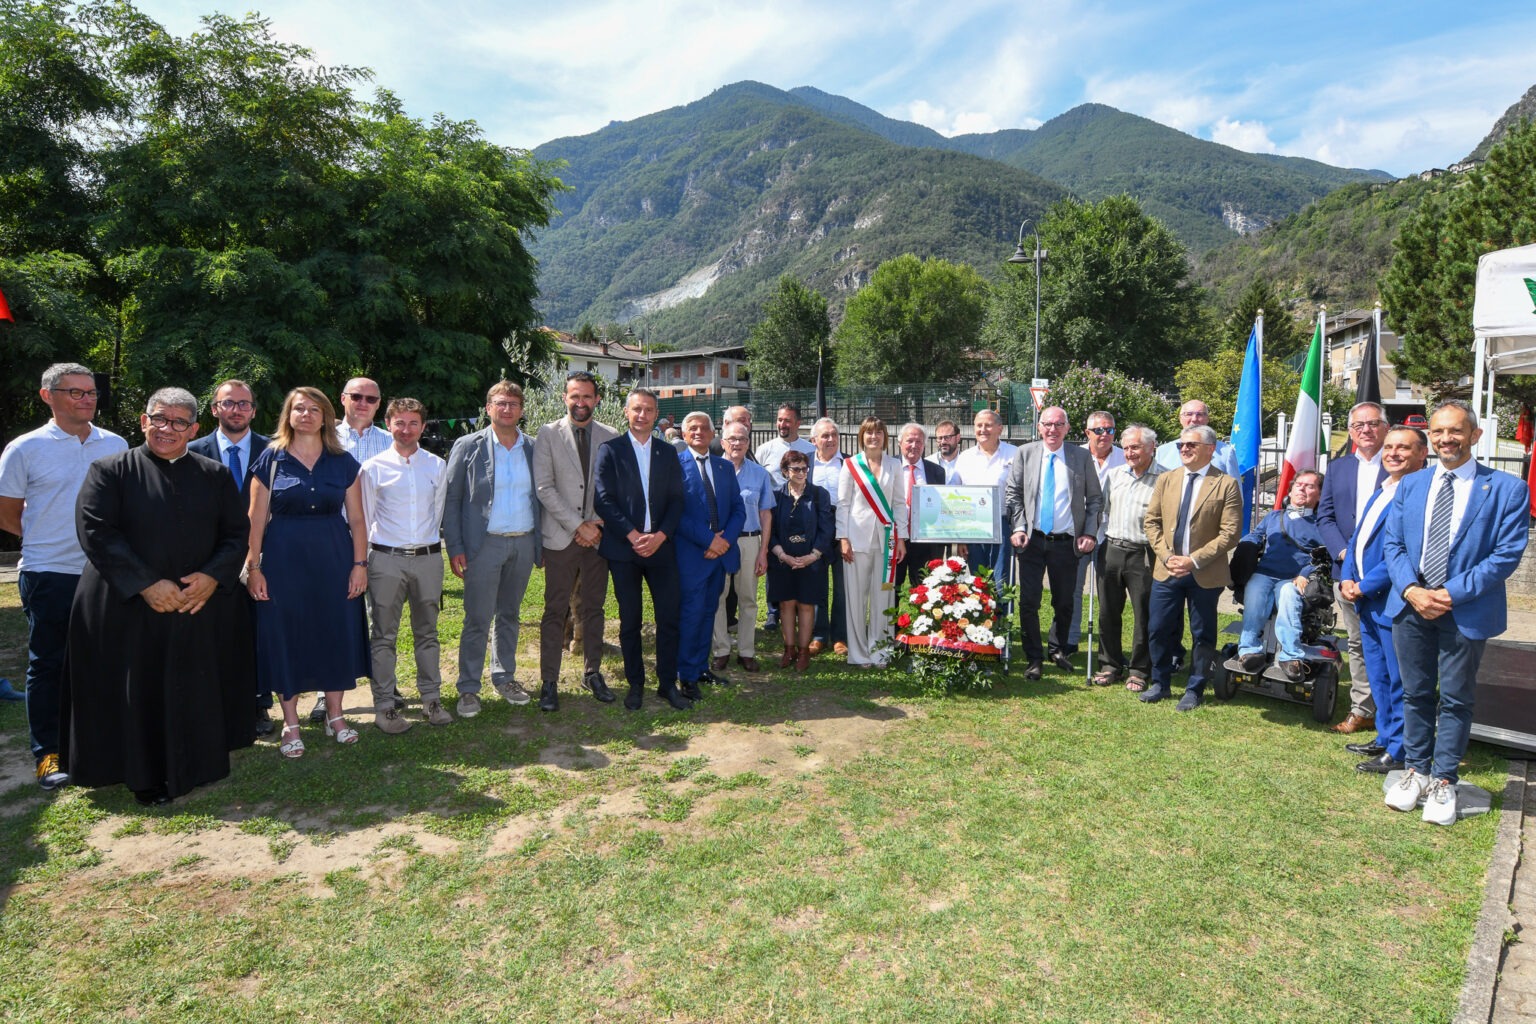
x=1038 y=259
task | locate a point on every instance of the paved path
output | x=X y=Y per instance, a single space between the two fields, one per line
x=1511 y=909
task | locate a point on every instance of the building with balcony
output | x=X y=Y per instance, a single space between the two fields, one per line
x=1347 y=334
x=719 y=372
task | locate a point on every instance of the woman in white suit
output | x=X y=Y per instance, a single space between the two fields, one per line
x=873 y=539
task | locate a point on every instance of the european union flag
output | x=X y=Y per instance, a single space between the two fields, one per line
x=1247 y=423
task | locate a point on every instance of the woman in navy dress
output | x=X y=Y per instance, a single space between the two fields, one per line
x=798 y=549
x=308 y=567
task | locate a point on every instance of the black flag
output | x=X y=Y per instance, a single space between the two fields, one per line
x=1369 y=388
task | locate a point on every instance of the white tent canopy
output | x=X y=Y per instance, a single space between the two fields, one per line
x=1504 y=325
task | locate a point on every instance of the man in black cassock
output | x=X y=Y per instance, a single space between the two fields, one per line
x=155 y=694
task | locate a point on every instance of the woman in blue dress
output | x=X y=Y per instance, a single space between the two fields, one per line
x=308 y=567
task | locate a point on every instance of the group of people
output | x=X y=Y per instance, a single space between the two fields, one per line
x=174 y=589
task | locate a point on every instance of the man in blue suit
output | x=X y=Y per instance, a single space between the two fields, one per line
x=1352 y=479
x=235 y=446
x=1366 y=582
x=640 y=500
x=713 y=515
x=1454 y=535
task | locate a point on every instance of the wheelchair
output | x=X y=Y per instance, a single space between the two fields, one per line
x=1320 y=646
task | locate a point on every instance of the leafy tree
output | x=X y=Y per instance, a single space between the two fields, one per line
x=1428 y=289
x=785 y=345
x=55 y=87
x=1115 y=293
x=916 y=320
x=1083 y=389
x=1282 y=337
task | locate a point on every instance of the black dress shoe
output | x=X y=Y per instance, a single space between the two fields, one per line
x=713 y=680
x=1379 y=765
x=672 y=695
x=594 y=681
x=1062 y=660
x=1369 y=748
x=1032 y=672
x=1153 y=694
x=152 y=797
x=264 y=724
x=691 y=690
x=549 y=697
x=634 y=698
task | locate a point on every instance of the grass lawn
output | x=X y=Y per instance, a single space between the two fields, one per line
x=828 y=847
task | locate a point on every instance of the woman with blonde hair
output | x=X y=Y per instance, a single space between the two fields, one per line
x=307 y=566
x=873 y=537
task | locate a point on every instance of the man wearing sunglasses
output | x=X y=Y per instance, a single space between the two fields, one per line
x=40 y=477
x=358 y=435
x=1106 y=456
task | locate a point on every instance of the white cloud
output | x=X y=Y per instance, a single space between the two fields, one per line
x=1249 y=136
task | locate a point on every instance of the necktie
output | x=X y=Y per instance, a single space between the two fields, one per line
x=1048 y=498
x=232 y=459
x=1178 y=530
x=709 y=495
x=911 y=483
x=1437 y=550
x=586 y=455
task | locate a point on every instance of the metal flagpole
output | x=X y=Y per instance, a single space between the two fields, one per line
x=1093 y=588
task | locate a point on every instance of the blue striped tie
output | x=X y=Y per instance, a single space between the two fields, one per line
x=1437 y=550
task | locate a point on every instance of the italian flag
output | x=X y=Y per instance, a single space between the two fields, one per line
x=1306 y=428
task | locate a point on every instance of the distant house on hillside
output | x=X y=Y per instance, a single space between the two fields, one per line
x=613 y=360
x=1347 y=335
x=720 y=371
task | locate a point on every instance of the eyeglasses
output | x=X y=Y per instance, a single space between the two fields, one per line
x=507 y=403
x=76 y=394
x=160 y=422
x=1101 y=431
x=1185 y=446
x=231 y=404
x=365 y=399
x=1054 y=424
x=797 y=468
x=1368 y=424
x=946 y=437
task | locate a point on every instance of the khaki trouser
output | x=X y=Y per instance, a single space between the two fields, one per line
x=745 y=582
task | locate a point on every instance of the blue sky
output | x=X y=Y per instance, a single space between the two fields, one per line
x=1401 y=86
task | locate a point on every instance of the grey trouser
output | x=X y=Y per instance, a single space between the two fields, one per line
x=494 y=580
x=561 y=570
x=745 y=582
x=1360 y=700
x=392 y=581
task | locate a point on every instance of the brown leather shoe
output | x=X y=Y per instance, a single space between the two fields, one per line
x=718 y=665
x=804 y=661
x=840 y=649
x=790 y=654
x=1355 y=723
x=747 y=664
x=815 y=648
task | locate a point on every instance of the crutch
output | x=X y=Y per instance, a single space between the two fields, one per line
x=1093 y=588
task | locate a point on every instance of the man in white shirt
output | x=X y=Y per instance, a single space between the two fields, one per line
x=986 y=465
x=946 y=439
x=402 y=502
x=771 y=451
x=826 y=471
x=40 y=476
x=916 y=472
x=1106 y=456
x=359 y=405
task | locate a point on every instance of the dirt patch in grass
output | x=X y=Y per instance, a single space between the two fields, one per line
x=721 y=758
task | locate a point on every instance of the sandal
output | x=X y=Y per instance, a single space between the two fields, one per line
x=1106 y=677
x=1136 y=684
x=346 y=734
x=291 y=747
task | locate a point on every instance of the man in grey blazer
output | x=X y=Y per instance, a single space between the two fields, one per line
x=564 y=472
x=491 y=520
x=1053 y=503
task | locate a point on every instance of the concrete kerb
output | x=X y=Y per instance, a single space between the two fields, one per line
x=1496 y=919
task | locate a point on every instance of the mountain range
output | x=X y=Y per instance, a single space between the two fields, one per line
x=681 y=222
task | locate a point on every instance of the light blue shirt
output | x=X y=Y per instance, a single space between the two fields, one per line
x=643 y=460
x=511 y=510
x=45 y=468
x=756 y=492
x=1223 y=458
x=244 y=446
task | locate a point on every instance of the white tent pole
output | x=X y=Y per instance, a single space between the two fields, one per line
x=1479 y=363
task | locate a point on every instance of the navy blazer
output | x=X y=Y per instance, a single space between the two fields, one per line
x=620 y=500
x=820 y=506
x=1372 y=578
x=208 y=445
x=693 y=532
x=1336 y=507
x=1484 y=552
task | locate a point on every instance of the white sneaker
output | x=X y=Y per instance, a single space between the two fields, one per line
x=1440 y=803
x=1405 y=795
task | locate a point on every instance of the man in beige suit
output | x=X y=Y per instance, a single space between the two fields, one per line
x=564 y=463
x=1193 y=520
